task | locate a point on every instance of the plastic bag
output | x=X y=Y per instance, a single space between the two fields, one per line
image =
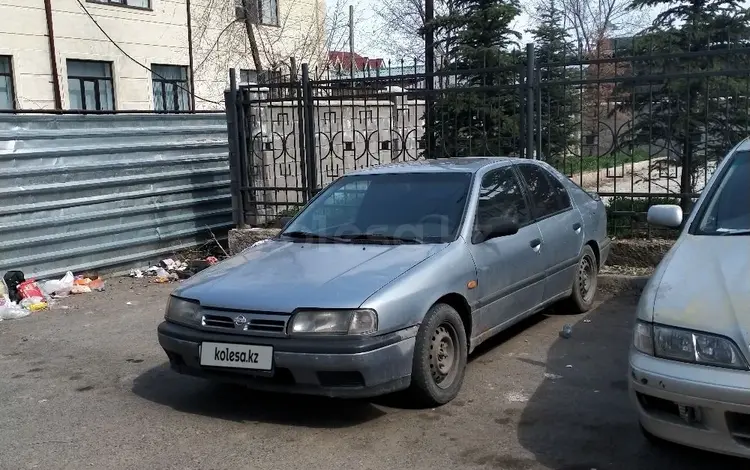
x=29 y=289
x=59 y=288
x=10 y=310
x=80 y=289
x=34 y=304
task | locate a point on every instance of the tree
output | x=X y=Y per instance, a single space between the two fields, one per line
x=552 y=51
x=480 y=114
x=401 y=26
x=689 y=90
x=223 y=39
x=590 y=22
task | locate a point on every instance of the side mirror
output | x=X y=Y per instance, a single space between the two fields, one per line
x=496 y=228
x=665 y=215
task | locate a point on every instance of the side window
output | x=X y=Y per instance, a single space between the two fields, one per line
x=501 y=196
x=548 y=195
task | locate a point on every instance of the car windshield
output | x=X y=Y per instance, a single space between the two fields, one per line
x=395 y=207
x=728 y=209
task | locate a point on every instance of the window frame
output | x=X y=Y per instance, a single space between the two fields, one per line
x=521 y=186
x=150 y=6
x=83 y=79
x=11 y=81
x=549 y=176
x=260 y=14
x=164 y=81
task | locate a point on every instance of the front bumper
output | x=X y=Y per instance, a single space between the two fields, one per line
x=718 y=398
x=347 y=368
x=604 y=250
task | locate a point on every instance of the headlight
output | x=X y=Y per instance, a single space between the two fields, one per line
x=687 y=346
x=183 y=311
x=334 y=322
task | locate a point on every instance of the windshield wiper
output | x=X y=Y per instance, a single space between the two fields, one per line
x=380 y=238
x=729 y=232
x=300 y=235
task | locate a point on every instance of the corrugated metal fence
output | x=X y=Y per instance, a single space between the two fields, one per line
x=80 y=192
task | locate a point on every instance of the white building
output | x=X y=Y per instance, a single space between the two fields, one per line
x=136 y=54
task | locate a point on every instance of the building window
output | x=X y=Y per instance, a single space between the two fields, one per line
x=90 y=85
x=170 y=88
x=7 y=97
x=248 y=76
x=264 y=12
x=126 y=3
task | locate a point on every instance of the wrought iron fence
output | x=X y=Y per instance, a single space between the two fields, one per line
x=632 y=122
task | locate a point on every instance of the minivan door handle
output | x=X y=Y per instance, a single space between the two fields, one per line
x=576 y=227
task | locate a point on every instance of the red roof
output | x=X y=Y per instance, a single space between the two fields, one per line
x=344 y=59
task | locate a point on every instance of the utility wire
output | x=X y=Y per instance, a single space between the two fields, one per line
x=136 y=61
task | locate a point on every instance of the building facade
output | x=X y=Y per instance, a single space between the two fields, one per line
x=146 y=54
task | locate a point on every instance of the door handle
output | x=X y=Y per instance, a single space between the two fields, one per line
x=577 y=227
x=535 y=244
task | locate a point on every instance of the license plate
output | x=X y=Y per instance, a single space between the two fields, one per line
x=237 y=356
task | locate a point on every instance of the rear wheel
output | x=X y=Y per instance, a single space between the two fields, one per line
x=440 y=354
x=585 y=282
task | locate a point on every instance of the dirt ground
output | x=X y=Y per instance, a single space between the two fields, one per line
x=86 y=385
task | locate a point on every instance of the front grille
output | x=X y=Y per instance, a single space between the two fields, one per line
x=275 y=326
x=218 y=321
x=250 y=322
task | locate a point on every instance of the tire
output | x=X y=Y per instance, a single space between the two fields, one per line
x=585 y=282
x=437 y=379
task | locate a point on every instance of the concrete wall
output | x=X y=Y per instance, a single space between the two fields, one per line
x=155 y=36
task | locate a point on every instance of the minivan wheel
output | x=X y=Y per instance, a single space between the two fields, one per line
x=585 y=282
x=440 y=355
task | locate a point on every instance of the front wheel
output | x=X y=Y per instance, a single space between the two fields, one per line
x=440 y=355
x=585 y=282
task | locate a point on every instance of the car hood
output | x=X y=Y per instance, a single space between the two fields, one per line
x=280 y=276
x=705 y=285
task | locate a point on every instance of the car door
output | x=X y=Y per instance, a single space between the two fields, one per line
x=561 y=226
x=510 y=268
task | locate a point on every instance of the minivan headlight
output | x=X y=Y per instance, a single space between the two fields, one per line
x=687 y=346
x=334 y=322
x=183 y=311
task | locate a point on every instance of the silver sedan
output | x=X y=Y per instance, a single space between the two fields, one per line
x=389 y=278
x=689 y=370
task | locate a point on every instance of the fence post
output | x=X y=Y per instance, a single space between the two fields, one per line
x=309 y=127
x=530 y=75
x=235 y=168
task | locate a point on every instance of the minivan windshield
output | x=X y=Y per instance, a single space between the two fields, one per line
x=416 y=207
x=727 y=210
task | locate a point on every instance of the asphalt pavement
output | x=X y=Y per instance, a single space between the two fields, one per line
x=86 y=385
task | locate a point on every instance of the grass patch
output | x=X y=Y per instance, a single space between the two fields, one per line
x=572 y=165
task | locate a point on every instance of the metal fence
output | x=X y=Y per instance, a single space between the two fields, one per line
x=83 y=192
x=636 y=125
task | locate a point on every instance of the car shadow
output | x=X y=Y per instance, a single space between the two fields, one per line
x=581 y=416
x=239 y=404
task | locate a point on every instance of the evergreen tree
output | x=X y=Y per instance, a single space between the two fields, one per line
x=698 y=108
x=552 y=48
x=479 y=113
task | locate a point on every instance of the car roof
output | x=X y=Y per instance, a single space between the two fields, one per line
x=453 y=165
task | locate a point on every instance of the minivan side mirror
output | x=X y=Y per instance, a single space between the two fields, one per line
x=665 y=215
x=496 y=228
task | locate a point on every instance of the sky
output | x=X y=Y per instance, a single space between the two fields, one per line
x=367 y=26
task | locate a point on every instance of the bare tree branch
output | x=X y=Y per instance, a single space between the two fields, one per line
x=592 y=21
